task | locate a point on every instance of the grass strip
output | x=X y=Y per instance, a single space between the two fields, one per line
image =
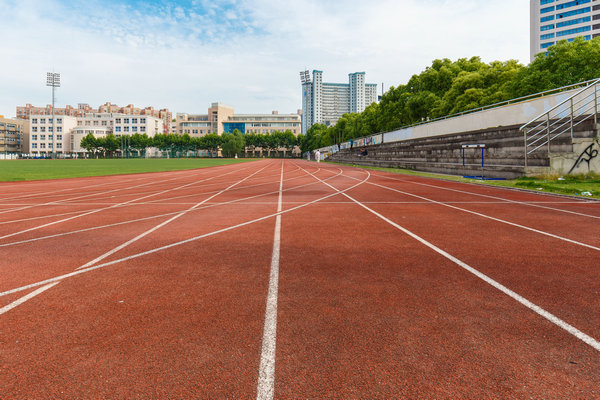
x=28 y=170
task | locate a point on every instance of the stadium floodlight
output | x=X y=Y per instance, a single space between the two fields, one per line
x=53 y=80
x=305 y=76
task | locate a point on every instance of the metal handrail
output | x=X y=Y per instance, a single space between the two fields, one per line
x=595 y=81
x=549 y=125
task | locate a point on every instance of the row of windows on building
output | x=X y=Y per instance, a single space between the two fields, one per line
x=130 y=129
x=43 y=137
x=565 y=23
x=567 y=32
x=43 y=129
x=567 y=14
x=563 y=6
x=546 y=45
x=89 y=123
x=46 y=120
x=43 y=145
x=117 y=121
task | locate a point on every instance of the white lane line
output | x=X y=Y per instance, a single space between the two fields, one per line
x=183 y=203
x=176 y=244
x=23 y=299
x=57 y=202
x=526 y=203
x=157 y=227
x=152 y=182
x=266 y=371
x=589 y=246
x=132 y=204
x=55 y=192
x=159 y=201
x=522 y=300
x=111 y=207
x=206 y=205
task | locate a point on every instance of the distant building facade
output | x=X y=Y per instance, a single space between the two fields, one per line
x=12 y=135
x=197 y=125
x=221 y=118
x=325 y=103
x=555 y=20
x=70 y=130
x=82 y=109
x=42 y=138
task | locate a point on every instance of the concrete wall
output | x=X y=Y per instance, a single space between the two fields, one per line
x=511 y=114
x=584 y=158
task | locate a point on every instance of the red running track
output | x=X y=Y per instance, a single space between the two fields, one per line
x=291 y=279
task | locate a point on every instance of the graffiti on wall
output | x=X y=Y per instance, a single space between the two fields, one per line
x=587 y=155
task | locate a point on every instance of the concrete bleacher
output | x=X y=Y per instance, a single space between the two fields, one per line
x=503 y=153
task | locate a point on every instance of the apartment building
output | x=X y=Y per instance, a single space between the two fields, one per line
x=102 y=124
x=12 y=135
x=555 y=20
x=325 y=103
x=47 y=136
x=83 y=109
x=71 y=130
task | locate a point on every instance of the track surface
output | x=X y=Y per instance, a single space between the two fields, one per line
x=290 y=279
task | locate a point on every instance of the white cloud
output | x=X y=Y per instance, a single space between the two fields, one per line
x=244 y=53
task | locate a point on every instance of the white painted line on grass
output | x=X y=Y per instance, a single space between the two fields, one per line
x=266 y=371
x=535 y=308
x=23 y=299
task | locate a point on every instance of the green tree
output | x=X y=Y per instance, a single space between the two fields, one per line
x=287 y=140
x=565 y=63
x=211 y=142
x=232 y=143
x=253 y=141
x=110 y=144
x=270 y=142
x=90 y=143
x=139 y=143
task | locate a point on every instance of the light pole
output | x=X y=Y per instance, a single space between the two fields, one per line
x=53 y=80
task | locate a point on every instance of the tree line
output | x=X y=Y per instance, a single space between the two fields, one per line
x=230 y=144
x=449 y=87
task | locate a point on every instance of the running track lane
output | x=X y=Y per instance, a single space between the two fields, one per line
x=363 y=311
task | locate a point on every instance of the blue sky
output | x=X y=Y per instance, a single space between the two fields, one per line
x=183 y=55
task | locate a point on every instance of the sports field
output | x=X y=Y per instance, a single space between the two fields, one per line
x=29 y=170
x=293 y=279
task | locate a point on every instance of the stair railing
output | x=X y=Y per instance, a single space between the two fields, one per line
x=562 y=119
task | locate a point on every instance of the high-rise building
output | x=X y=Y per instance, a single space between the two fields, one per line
x=325 y=103
x=555 y=20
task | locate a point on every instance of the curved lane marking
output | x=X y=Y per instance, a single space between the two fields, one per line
x=515 y=296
